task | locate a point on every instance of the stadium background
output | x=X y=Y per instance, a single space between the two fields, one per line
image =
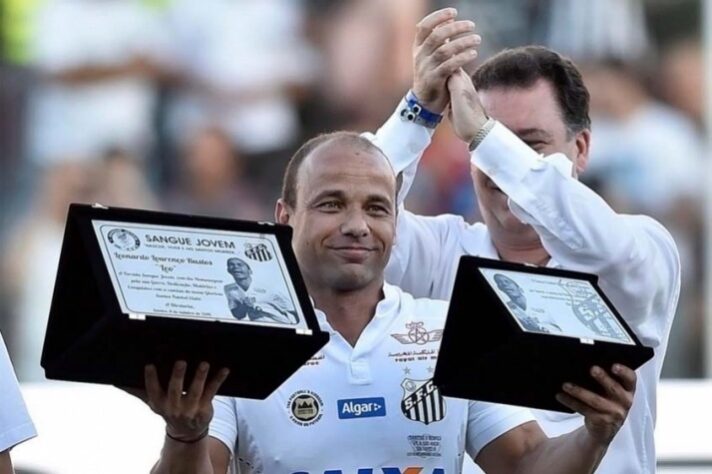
x=195 y=106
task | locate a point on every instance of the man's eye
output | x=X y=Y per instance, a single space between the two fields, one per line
x=377 y=209
x=329 y=205
x=536 y=146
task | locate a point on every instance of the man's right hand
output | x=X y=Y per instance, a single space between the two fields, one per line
x=442 y=46
x=467 y=113
x=187 y=415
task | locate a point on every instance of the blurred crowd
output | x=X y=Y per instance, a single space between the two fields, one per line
x=196 y=107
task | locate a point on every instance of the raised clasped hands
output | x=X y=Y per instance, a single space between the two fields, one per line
x=442 y=46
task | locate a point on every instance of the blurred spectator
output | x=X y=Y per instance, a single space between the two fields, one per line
x=94 y=88
x=645 y=154
x=682 y=78
x=366 y=51
x=124 y=182
x=16 y=31
x=243 y=62
x=30 y=260
x=443 y=182
x=211 y=181
x=585 y=29
x=501 y=23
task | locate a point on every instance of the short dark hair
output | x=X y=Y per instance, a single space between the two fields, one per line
x=524 y=66
x=289 y=183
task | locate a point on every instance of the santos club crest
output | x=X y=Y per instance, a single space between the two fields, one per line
x=422 y=401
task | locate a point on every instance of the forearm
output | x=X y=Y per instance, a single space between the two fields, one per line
x=576 y=226
x=403 y=143
x=573 y=452
x=5 y=463
x=184 y=458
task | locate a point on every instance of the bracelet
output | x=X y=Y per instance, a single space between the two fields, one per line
x=416 y=113
x=482 y=133
x=188 y=441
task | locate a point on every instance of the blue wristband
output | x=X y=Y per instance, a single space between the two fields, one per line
x=416 y=113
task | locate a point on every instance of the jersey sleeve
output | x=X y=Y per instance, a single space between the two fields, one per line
x=15 y=423
x=488 y=421
x=223 y=426
x=635 y=255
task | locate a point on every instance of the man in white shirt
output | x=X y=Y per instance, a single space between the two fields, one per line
x=15 y=423
x=535 y=210
x=366 y=403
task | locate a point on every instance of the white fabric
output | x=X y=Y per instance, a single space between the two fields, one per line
x=81 y=121
x=634 y=256
x=399 y=344
x=15 y=423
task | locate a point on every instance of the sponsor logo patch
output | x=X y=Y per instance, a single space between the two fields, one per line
x=361 y=408
x=422 y=401
x=305 y=407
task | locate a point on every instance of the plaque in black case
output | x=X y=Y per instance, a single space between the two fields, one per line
x=135 y=287
x=515 y=333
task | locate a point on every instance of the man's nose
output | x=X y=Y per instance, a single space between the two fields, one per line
x=355 y=224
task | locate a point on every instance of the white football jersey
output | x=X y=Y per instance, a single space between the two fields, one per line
x=367 y=409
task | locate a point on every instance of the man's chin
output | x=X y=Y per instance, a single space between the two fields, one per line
x=351 y=281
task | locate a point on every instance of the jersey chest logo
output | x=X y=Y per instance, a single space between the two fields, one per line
x=422 y=401
x=417 y=334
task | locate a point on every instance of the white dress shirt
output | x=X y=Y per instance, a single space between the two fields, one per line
x=634 y=257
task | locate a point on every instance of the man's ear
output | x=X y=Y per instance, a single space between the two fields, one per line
x=282 y=212
x=583 y=147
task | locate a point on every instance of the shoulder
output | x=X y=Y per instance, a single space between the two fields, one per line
x=658 y=236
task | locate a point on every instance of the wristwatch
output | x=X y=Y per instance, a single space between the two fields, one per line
x=482 y=133
x=413 y=111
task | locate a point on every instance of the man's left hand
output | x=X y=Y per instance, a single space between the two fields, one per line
x=442 y=46
x=604 y=414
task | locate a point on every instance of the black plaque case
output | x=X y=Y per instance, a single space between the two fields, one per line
x=90 y=339
x=485 y=355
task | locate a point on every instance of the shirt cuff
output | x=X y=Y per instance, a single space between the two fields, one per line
x=502 y=156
